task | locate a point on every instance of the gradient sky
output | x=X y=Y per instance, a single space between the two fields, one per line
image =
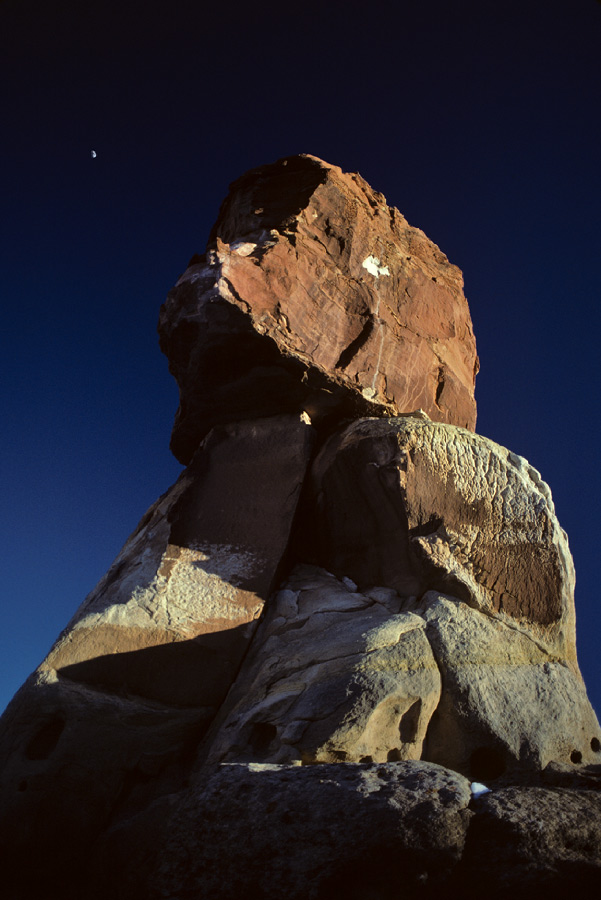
x=480 y=121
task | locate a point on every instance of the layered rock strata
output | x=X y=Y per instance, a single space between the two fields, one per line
x=333 y=623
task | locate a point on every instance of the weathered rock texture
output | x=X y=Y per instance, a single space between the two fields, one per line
x=120 y=703
x=335 y=675
x=329 y=831
x=320 y=632
x=315 y=295
x=376 y=831
x=413 y=505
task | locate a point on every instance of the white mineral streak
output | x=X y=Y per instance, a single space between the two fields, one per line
x=375 y=267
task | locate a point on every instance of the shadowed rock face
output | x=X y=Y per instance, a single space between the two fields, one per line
x=315 y=295
x=318 y=634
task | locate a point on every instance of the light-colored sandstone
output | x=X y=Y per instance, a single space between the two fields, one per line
x=334 y=675
x=339 y=675
x=417 y=505
x=506 y=703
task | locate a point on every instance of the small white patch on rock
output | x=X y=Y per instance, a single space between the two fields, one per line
x=479 y=789
x=374 y=266
x=243 y=248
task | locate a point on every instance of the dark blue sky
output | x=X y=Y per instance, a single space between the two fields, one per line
x=480 y=122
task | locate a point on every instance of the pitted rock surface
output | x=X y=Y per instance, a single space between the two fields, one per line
x=339 y=675
x=314 y=295
x=334 y=675
x=316 y=832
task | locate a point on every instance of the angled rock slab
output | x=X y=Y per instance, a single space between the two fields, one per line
x=315 y=295
x=132 y=682
x=185 y=593
x=333 y=675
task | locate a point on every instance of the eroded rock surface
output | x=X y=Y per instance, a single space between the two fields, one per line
x=507 y=705
x=315 y=295
x=354 y=831
x=416 y=505
x=335 y=675
x=534 y=842
x=340 y=675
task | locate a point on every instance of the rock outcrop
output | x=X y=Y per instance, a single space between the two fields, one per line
x=347 y=609
x=315 y=295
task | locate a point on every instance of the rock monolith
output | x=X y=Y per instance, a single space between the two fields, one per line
x=337 y=658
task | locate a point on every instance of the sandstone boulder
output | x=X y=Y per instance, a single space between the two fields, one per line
x=507 y=705
x=315 y=295
x=482 y=679
x=334 y=675
x=416 y=505
x=316 y=832
x=318 y=634
x=350 y=832
x=533 y=842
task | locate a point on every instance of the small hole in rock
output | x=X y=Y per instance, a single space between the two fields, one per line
x=45 y=740
x=576 y=756
x=595 y=745
x=366 y=759
x=486 y=763
x=394 y=755
x=22 y=786
x=261 y=736
x=340 y=755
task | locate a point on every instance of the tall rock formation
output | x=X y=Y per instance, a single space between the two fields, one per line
x=348 y=608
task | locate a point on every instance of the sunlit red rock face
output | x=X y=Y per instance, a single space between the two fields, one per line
x=315 y=295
